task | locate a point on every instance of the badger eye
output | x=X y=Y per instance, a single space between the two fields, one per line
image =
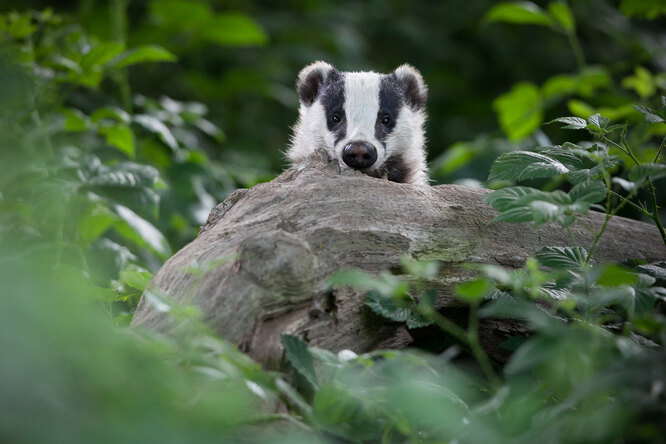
x=335 y=118
x=386 y=119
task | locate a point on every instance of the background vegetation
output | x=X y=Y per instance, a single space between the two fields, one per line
x=124 y=123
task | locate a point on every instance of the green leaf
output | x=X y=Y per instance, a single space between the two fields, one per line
x=140 y=231
x=615 y=276
x=473 y=290
x=544 y=212
x=385 y=284
x=503 y=200
x=125 y=175
x=388 y=307
x=598 y=121
x=519 y=12
x=521 y=165
x=154 y=125
x=136 y=279
x=119 y=136
x=572 y=122
x=562 y=14
x=650 y=115
x=520 y=111
x=562 y=258
x=625 y=184
x=100 y=54
x=569 y=155
x=523 y=204
x=145 y=53
x=642 y=82
x=641 y=173
x=299 y=357
x=95 y=222
x=110 y=113
x=75 y=120
x=590 y=191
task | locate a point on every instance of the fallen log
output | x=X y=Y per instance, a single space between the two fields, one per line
x=266 y=252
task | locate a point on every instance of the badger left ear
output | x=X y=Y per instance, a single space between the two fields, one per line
x=413 y=86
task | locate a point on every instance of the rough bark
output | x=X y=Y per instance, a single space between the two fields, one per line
x=267 y=251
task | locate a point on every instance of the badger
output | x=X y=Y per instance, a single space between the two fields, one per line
x=368 y=121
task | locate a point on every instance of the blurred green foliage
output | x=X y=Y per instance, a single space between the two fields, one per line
x=124 y=122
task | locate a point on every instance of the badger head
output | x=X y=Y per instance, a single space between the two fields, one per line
x=368 y=121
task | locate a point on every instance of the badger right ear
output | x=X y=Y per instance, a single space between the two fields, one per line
x=310 y=80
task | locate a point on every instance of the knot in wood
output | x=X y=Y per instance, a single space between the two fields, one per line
x=280 y=262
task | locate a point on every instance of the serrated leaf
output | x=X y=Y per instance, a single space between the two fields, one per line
x=299 y=357
x=387 y=307
x=125 y=175
x=562 y=14
x=519 y=12
x=521 y=165
x=571 y=122
x=502 y=200
x=598 y=120
x=649 y=114
x=641 y=173
x=523 y=204
x=590 y=191
x=562 y=258
x=544 y=212
x=520 y=111
x=145 y=53
x=156 y=126
x=572 y=158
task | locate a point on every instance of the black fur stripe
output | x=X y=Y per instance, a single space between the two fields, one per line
x=333 y=100
x=390 y=102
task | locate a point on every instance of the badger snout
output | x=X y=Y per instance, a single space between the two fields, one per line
x=359 y=155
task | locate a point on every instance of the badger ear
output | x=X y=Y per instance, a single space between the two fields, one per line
x=310 y=80
x=413 y=86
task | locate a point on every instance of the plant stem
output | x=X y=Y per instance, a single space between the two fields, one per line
x=609 y=216
x=631 y=204
x=573 y=239
x=661 y=147
x=118 y=25
x=655 y=212
x=475 y=345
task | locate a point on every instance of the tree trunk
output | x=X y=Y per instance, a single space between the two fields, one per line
x=265 y=253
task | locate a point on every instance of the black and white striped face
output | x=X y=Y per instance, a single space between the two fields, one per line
x=369 y=121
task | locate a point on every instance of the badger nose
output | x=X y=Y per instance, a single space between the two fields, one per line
x=359 y=155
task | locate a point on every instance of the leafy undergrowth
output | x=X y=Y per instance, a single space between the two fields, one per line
x=98 y=186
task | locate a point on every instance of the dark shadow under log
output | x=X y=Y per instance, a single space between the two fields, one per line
x=268 y=250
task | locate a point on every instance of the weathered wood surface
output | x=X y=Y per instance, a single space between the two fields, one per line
x=284 y=238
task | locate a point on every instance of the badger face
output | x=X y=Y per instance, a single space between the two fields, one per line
x=368 y=121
